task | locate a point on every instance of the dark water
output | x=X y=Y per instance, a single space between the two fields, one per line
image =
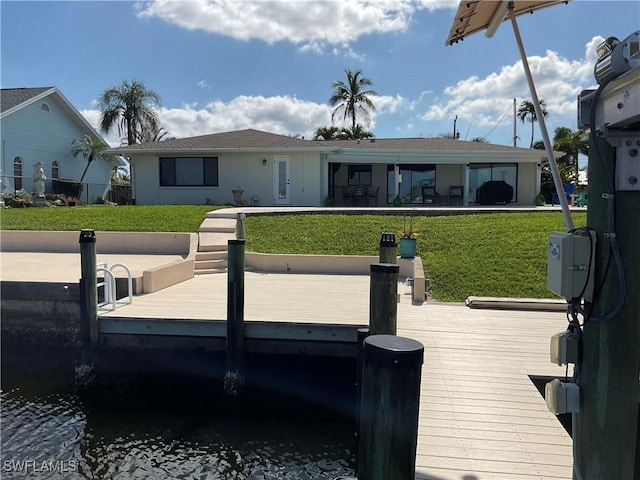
x=137 y=424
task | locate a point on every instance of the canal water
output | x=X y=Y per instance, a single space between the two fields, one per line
x=141 y=420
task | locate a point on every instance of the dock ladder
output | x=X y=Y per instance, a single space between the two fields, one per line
x=110 y=301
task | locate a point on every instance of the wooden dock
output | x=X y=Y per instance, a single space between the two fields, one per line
x=481 y=417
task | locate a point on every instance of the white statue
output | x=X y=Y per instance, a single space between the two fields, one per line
x=38 y=180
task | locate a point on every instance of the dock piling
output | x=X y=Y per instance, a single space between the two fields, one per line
x=388 y=248
x=240 y=218
x=233 y=378
x=383 y=299
x=88 y=292
x=363 y=333
x=392 y=369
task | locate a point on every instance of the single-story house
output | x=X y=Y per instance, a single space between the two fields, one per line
x=270 y=169
x=40 y=125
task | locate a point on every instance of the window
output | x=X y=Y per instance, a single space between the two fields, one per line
x=360 y=175
x=413 y=178
x=484 y=172
x=44 y=107
x=17 y=173
x=55 y=169
x=188 y=171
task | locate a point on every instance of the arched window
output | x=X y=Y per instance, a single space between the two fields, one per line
x=17 y=173
x=55 y=169
x=44 y=107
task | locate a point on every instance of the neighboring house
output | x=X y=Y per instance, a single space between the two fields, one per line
x=40 y=125
x=274 y=169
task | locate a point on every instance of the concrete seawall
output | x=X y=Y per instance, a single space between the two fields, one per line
x=40 y=273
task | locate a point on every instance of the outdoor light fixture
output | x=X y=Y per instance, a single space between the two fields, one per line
x=264 y=161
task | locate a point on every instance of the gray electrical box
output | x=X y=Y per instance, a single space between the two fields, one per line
x=570 y=264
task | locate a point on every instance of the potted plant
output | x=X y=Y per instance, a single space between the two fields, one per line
x=407 y=244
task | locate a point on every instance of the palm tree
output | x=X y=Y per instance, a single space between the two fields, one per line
x=527 y=111
x=327 y=133
x=153 y=135
x=572 y=144
x=355 y=133
x=132 y=107
x=91 y=149
x=351 y=97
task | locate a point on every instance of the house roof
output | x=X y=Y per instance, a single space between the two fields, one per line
x=238 y=140
x=252 y=140
x=420 y=144
x=10 y=98
x=15 y=99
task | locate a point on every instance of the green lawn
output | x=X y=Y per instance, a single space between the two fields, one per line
x=123 y=218
x=498 y=254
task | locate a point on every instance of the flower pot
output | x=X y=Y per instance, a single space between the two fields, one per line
x=407 y=247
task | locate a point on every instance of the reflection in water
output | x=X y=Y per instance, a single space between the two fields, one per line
x=135 y=425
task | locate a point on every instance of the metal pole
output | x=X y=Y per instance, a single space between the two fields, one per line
x=543 y=126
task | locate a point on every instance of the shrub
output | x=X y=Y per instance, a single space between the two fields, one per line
x=68 y=188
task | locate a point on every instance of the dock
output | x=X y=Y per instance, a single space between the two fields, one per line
x=481 y=416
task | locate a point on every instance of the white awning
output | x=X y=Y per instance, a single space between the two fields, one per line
x=476 y=15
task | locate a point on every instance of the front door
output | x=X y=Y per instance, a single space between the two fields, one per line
x=281 y=181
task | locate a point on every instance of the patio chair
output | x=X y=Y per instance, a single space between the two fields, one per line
x=372 y=193
x=581 y=199
x=348 y=193
x=430 y=196
x=456 y=194
x=568 y=191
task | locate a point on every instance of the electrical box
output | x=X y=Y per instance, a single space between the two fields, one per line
x=562 y=397
x=570 y=264
x=563 y=348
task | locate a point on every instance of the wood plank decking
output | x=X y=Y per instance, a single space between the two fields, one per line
x=481 y=417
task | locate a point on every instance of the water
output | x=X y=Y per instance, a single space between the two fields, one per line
x=153 y=425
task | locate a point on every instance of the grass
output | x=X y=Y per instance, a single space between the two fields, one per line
x=123 y=218
x=498 y=254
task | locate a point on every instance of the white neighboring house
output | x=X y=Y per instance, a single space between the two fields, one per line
x=40 y=125
x=276 y=170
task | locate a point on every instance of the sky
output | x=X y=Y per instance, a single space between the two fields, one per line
x=223 y=65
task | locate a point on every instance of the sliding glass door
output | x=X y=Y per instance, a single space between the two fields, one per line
x=484 y=172
x=413 y=177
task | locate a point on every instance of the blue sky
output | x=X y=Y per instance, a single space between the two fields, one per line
x=226 y=65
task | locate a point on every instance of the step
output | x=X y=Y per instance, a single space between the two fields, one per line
x=207 y=264
x=211 y=255
x=225 y=225
x=210 y=271
x=209 y=242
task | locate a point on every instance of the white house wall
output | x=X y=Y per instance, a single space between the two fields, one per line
x=36 y=135
x=245 y=170
x=527 y=174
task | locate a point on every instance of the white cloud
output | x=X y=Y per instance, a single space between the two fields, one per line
x=280 y=114
x=311 y=24
x=484 y=101
x=203 y=84
x=284 y=115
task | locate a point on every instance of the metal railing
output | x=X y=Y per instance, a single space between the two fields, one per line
x=110 y=301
